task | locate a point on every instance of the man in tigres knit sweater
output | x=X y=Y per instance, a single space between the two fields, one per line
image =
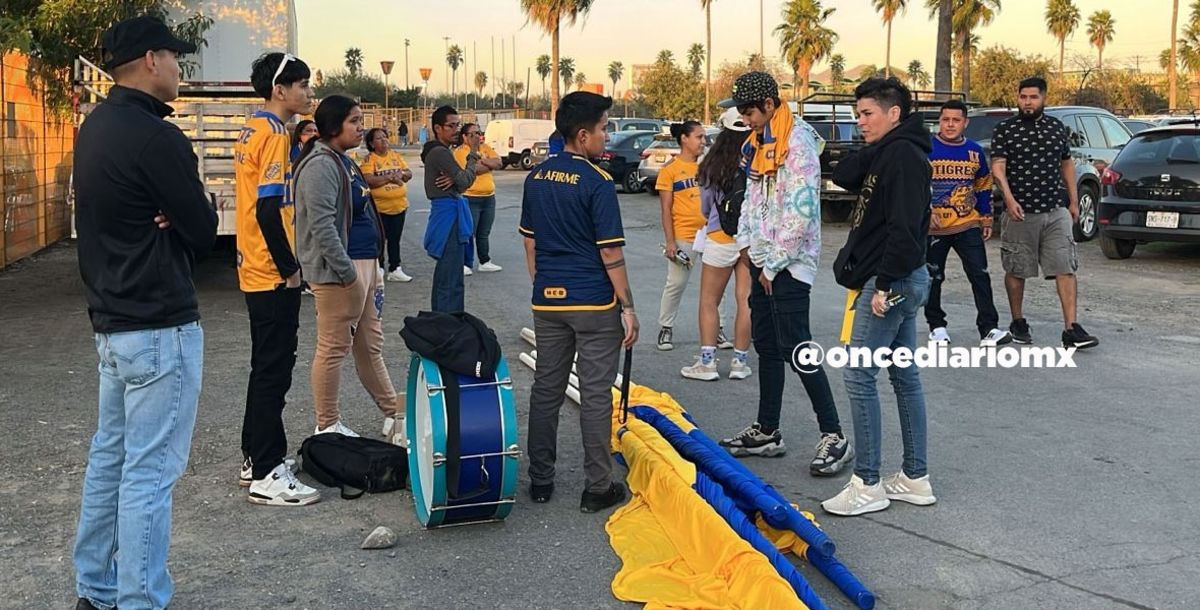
x=961 y=220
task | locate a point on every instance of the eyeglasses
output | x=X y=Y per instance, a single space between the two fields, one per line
x=283 y=62
x=454 y=125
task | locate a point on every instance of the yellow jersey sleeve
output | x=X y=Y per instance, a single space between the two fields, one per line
x=271 y=151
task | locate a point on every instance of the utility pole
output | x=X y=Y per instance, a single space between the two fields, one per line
x=406 y=43
x=493 y=102
x=445 y=63
x=503 y=70
x=760 y=31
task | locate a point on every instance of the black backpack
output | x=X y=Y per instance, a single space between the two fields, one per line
x=355 y=465
x=729 y=209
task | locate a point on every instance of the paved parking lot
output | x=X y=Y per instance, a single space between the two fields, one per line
x=1057 y=488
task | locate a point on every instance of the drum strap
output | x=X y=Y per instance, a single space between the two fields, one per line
x=454 y=441
x=624 y=416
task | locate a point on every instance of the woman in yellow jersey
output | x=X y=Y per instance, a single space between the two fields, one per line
x=679 y=195
x=386 y=174
x=721 y=179
x=481 y=197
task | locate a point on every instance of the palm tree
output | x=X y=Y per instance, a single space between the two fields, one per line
x=580 y=81
x=548 y=14
x=665 y=57
x=354 y=60
x=1062 y=17
x=543 y=69
x=869 y=71
x=1173 y=68
x=481 y=81
x=695 y=59
x=615 y=71
x=1189 y=48
x=1101 y=28
x=917 y=76
x=566 y=70
x=967 y=15
x=707 y=6
x=942 y=72
x=837 y=71
x=803 y=38
x=454 y=59
x=888 y=9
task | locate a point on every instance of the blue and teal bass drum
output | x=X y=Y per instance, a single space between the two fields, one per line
x=462 y=444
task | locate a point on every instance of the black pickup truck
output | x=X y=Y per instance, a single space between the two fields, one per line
x=832 y=115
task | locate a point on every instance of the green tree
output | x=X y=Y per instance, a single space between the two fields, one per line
x=566 y=70
x=917 y=76
x=548 y=15
x=354 y=60
x=695 y=59
x=707 y=6
x=1173 y=61
x=454 y=59
x=481 y=81
x=837 y=71
x=580 y=80
x=803 y=38
x=670 y=91
x=364 y=87
x=869 y=71
x=967 y=15
x=516 y=89
x=1062 y=17
x=665 y=57
x=55 y=32
x=1101 y=28
x=888 y=10
x=1189 y=46
x=999 y=69
x=543 y=69
x=615 y=71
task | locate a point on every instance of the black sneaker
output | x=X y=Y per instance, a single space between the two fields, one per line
x=1078 y=338
x=84 y=604
x=1020 y=331
x=752 y=441
x=833 y=452
x=723 y=342
x=541 y=493
x=594 y=503
x=664 y=339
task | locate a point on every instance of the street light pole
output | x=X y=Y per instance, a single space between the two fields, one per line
x=386 y=65
x=406 y=43
x=446 y=39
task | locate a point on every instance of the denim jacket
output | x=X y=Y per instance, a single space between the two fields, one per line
x=781 y=216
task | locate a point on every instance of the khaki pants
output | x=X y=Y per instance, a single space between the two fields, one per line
x=350 y=318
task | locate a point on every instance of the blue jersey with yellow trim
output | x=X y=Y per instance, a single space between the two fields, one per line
x=570 y=210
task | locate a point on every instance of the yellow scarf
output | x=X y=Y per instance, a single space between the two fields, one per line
x=762 y=155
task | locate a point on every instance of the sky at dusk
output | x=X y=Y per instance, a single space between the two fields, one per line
x=634 y=31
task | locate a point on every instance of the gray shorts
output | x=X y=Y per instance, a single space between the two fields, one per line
x=1043 y=240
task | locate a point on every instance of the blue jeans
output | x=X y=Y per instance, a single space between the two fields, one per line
x=483 y=212
x=448 y=290
x=896 y=329
x=149 y=387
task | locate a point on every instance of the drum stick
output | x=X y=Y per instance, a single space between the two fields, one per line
x=528 y=336
x=572 y=381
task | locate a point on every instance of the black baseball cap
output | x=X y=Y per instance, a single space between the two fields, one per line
x=130 y=39
x=750 y=88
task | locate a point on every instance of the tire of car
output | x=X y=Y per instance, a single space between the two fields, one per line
x=526 y=161
x=632 y=182
x=1087 y=227
x=835 y=211
x=1116 y=249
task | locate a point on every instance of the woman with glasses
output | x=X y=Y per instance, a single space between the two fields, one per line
x=388 y=175
x=481 y=197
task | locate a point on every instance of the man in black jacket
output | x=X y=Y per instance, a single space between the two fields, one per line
x=143 y=218
x=884 y=258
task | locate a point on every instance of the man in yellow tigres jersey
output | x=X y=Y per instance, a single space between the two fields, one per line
x=269 y=275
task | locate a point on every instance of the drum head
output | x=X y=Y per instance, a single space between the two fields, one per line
x=424 y=415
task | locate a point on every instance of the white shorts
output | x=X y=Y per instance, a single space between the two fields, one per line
x=721 y=256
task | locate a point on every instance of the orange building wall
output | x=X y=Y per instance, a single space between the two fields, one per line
x=36 y=155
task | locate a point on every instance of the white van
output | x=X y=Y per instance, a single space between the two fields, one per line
x=513 y=139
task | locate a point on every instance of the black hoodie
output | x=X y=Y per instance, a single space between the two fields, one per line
x=890 y=220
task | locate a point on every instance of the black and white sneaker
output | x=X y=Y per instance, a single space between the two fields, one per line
x=246 y=474
x=1078 y=338
x=833 y=452
x=664 y=340
x=723 y=342
x=752 y=441
x=1020 y=331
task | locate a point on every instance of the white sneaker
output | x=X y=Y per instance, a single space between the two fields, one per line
x=398 y=275
x=723 y=342
x=739 y=370
x=700 y=371
x=490 y=267
x=467 y=270
x=996 y=337
x=246 y=475
x=857 y=498
x=914 y=491
x=394 y=431
x=338 y=427
x=282 y=488
x=939 y=335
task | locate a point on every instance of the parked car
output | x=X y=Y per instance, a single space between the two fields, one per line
x=1096 y=138
x=1152 y=191
x=660 y=152
x=622 y=155
x=539 y=153
x=513 y=139
x=619 y=125
x=1137 y=126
